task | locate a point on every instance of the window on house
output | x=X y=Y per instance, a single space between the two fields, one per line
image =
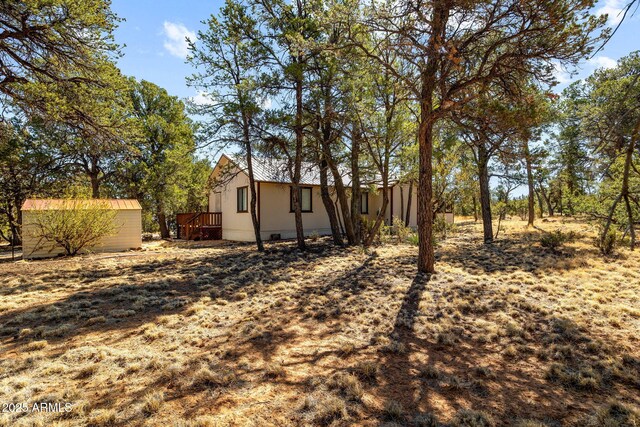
x=364 y=202
x=242 y=199
x=305 y=199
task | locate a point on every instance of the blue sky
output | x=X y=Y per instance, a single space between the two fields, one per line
x=154 y=33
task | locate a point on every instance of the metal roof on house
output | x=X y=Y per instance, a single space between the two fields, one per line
x=54 y=204
x=275 y=170
x=269 y=169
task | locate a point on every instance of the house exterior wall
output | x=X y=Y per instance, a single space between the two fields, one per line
x=235 y=225
x=129 y=235
x=276 y=218
x=274 y=213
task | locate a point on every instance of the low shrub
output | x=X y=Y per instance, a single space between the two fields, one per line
x=152 y=403
x=367 y=371
x=442 y=228
x=615 y=414
x=469 y=418
x=609 y=242
x=325 y=409
x=580 y=378
x=555 y=239
x=426 y=420
x=393 y=410
x=348 y=385
x=402 y=232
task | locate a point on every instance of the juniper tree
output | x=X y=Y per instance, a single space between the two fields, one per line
x=48 y=49
x=611 y=122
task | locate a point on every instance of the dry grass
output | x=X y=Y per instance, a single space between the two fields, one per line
x=195 y=335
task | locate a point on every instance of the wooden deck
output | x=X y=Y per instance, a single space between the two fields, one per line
x=199 y=225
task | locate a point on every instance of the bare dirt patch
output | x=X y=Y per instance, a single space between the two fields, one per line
x=221 y=335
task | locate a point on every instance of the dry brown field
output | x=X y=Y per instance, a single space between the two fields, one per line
x=219 y=335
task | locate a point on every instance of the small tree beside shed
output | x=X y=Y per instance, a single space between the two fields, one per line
x=72 y=226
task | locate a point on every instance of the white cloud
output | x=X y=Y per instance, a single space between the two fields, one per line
x=202 y=98
x=603 y=62
x=613 y=8
x=176 y=39
x=561 y=74
x=266 y=104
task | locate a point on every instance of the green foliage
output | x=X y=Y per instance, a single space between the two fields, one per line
x=607 y=105
x=555 y=239
x=412 y=239
x=29 y=167
x=381 y=234
x=73 y=226
x=52 y=51
x=401 y=231
x=607 y=243
x=442 y=228
x=163 y=172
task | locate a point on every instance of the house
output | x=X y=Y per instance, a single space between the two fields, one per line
x=127 y=219
x=230 y=196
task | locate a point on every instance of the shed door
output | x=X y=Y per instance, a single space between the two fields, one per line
x=217 y=202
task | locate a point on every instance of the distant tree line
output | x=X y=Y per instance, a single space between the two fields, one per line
x=72 y=125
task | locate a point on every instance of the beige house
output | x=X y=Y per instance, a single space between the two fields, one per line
x=231 y=197
x=128 y=226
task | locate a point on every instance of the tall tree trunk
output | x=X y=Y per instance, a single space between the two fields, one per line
x=531 y=204
x=547 y=200
x=356 y=200
x=162 y=223
x=94 y=176
x=632 y=231
x=336 y=203
x=607 y=224
x=328 y=204
x=297 y=166
x=571 y=189
x=15 y=222
x=426 y=256
x=625 y=184
x=343 y=204
x=503 y=212
x=485 y=195
x=475 y=208
x=253 y=204
x=381 y=215
x=15 y=235
x=325 y=126
x=407 y=218
x=540 y=206
x=401 y=203
x=384 y=171
x=560 y=203
x=95 y=185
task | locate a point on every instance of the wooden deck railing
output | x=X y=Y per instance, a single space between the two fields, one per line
x=199 y=225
